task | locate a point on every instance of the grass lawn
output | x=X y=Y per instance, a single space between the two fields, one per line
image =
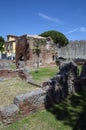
x=44 y=74
x=70 y=114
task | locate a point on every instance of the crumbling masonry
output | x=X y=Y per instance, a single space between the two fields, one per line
x=66 y=82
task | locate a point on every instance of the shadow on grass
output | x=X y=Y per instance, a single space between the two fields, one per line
x=71 y=111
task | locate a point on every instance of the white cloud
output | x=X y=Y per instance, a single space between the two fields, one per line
x=48 y=17
x=71 y=31
x=80 y=29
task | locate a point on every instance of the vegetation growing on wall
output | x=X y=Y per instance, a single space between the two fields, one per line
x=37 y=49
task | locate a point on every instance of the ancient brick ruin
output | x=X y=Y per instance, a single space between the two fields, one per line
x=66 y=82
x=26 y=50
x=33 y=52
x=6 y=71
x=22 y=50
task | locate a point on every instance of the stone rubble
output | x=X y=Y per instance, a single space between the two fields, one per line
x=64 y=83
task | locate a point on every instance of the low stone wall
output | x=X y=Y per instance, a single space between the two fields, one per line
x=9 y=114
x=23 y=105
x=8 y=73
x=30 y=102
x=61 y=85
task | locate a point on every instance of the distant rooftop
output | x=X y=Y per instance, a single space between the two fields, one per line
x=36 y=36
x=11 y=35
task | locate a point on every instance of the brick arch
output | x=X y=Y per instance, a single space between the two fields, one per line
x=22 y=49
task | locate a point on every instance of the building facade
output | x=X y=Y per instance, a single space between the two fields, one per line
x=10 y=47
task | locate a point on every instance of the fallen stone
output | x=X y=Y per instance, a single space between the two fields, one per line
x=9 y=114
x=29 y=102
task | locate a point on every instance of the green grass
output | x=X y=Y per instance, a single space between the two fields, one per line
x=12 y=66
x=44 y=74
x=80 y=68
x=70 y=114
x=39 y=121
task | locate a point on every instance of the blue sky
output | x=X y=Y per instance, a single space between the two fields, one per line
x=18 y=17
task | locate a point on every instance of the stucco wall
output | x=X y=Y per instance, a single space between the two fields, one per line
x=73 y=50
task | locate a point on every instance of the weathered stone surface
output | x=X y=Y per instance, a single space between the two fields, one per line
x=9 y=113
x=62 y=84
x=83 y=71
x=73 y=50
x=24 y=73
x=70 y=70
x=22 y=50
x=82 y=78
x=30 y=101
x=57 y=90
x=26 y=53
x=52 y=91
x=8 y=73
x=4 y=65
x=27 y=73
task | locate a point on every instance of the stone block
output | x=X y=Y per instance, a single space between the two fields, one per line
x=30 y=102
x=9 y=114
